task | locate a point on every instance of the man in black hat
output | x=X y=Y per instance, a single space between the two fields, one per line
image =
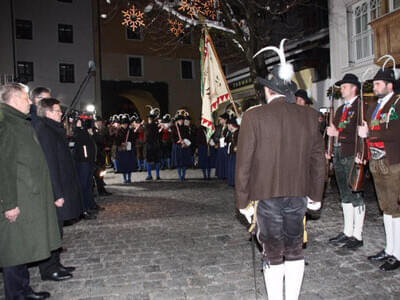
x=344 y=132
x=382 y=129
x=280 y=164
x=302 y=98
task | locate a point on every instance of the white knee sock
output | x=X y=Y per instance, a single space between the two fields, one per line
x=388 y=223
x=348 y=218
x=273 y=276
x=359 y=214
x=396 y=237
x=294 y=271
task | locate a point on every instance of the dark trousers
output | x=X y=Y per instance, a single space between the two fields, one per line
x=51 y=264
x=99 y=180
x=280 y=228
x=85 y=173
x=16 y=282
x=342 y=167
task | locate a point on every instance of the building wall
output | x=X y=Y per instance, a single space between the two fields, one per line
x=47 y=53
x=162 y=65
x=6 y=49
x=342 y=62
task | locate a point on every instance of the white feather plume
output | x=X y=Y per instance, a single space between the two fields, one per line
x=286 y=71
x=390 y=58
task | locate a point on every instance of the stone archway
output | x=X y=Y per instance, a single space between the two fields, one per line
x=140 y=99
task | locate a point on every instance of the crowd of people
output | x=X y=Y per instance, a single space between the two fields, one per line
x=46 y=181
x=282 y=161
x=275 y=157
x=162 y=142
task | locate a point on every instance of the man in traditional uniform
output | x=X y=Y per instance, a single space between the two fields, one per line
x=344 y=132
x=28 y=220
x=383 y=131
x=233 y=128
x=280 y=162
x=302 y=98
x=220 y=135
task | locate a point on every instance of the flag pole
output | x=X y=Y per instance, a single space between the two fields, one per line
x=220 y=68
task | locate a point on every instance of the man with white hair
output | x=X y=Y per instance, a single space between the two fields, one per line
x=28 y=221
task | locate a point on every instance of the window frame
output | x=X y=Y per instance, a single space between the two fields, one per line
x=59 y=27
x=366 y=53
x=181 y=69
x=16 y=29
x=73 y=72
x=141 y=67
x=26 y=63
x=140 y=32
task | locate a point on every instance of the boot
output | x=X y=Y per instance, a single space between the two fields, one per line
x=273 y=276
x=356 y=240
x=294 y=271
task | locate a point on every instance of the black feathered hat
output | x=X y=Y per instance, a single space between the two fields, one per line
x=232 y=121
x=224 y=116
x=166 y=118
x=279 y=79
x=389 y=75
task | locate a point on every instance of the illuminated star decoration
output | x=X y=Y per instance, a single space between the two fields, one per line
x=190 y=9
x=195 y=7
x=176 y=27
x=133 y=18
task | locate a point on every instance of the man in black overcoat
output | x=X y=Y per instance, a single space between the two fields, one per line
x=66 y=189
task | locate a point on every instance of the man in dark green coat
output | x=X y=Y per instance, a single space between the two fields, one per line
x=28 y=221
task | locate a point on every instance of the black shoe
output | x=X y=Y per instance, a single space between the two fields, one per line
x=105 y=193
x=380 y=256
x=391 y=264
x=98 y=207
x=66 y=269
x=341 y=238
x=158 y=178
x=149 y=178
x=88 y=216
x=57 y=276
x=353 y=244
x=38 y=295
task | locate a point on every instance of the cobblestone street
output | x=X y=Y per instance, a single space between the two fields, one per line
x=181 y=240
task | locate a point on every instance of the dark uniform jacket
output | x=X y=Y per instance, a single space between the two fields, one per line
x=24 y=182
x=83 y=141
x=184 y=132
x=152 y=143
x=347 y=137
x=100 y=138
x=280 y=154
x=61 y=165
x=232 y=141
x=390 y=135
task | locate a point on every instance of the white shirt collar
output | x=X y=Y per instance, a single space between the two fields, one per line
x=385 y=99
x=350 y=102
x=274 y=97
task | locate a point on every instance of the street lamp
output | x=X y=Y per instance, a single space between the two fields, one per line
x=90 y=108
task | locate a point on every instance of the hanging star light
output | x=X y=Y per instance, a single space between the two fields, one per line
x=176 y=27
x=191 y=10
x=133 y=18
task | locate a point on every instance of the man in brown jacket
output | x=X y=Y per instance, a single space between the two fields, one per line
x=280 y=163
x=383 y=130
